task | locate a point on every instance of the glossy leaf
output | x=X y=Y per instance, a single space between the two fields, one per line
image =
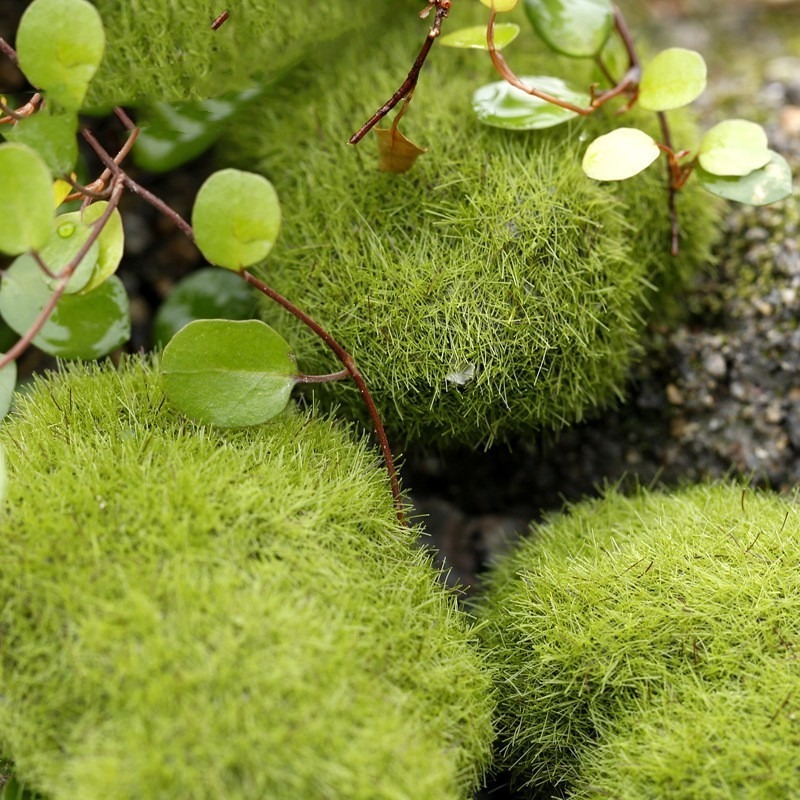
x=61 y=190
x=673 y=79
x=111 y=241
x=761 y=187
x=8 y=382
x=475 y=37
x=396 y=153
x=504 y=106
x=52 y=135
x=236 y=218
x=618 y=155
x=82 y=326
x=230 y=374
x=734 y=147
x=60 y=45
x=63 y=246
x=501 y=5
x=577 y=28
x=209 y=293
x=26 y=199
x=173 y=134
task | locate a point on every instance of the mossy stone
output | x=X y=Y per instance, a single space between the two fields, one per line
x=191 y=612
x=492 y=290
x=622 y=622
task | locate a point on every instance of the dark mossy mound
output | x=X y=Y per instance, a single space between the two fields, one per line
x=189 y=612
x=650 y=643
x=493 y=289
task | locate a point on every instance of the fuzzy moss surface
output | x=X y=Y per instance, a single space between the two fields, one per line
x=620 y=601
x=737 y=741
x=165 y=50
x=492 y=290
x=190 y=612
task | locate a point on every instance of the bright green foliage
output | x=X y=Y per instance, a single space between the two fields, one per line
x=82 y=326
x=494 y=258
x=229 y=373
x=620 y=154
x=673 y=79
x=63 y=246
x=760 y=188
x=611 y=611
x=26 y=199
x=209 y=293
x=8 y=380
x=734 y=147
x=52 y=134
x=178 y=57
x=60 y=44
x=475 y=36
x=502 y=105
x=500 y=5
x=577 y=28
x=735 y=740
x=111 y=241
x=3 y=474
x=236 y=218
x=196 y=613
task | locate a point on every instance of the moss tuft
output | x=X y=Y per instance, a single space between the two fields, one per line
x=189 y=612
x=492 y=290
x=622 y=622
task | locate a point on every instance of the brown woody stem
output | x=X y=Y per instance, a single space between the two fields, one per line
x=329 y=378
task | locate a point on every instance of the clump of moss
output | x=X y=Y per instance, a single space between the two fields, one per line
x=621 y=622
x=190 y=612
x=165 y=50
x=492 y=290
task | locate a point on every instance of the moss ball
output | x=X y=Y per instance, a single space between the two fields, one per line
x=493 y=289
x=612 y=609
x=166 y=50
x=191 y=612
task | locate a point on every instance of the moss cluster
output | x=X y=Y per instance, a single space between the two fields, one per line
x=179 y=57
x=493 y=289
x=646 y=647
x=188 y=612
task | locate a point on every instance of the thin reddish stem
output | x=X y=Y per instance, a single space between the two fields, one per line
x=675 y=243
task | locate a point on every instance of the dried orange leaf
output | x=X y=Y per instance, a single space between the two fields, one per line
x=396 y=153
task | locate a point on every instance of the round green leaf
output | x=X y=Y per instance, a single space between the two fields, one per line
x=734 y=147
x=209 y=293
x=502 y=105
x=673 y=79
x=60 y=45
x=111 y=241
x=230 y=374
x=618 y=155
x=577 y=28
x=236 y=218
x=8 y=382
x=761 y=187
x=52 y=135
x=63 y=246
x=26 y=199
x=82 y=326
x=475 y=38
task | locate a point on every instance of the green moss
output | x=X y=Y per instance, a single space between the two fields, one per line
x=165 y=50
x=738 y=741
x=612 y=607
x=189 y=612
x=495 y=257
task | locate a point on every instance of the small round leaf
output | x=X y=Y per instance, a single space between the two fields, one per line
x=475 y=38
x=52 y=135
x=734 y=147
x=673 y=79
x=501 y=5
x=618 y=155
x=236 y=218
x=81 y=326
x=60 y=44
x=63 y=246
x=229 y=374
x=504 y=106
x=26 y=199
x=761 y=187
x=576 y=28
x=209 y=293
